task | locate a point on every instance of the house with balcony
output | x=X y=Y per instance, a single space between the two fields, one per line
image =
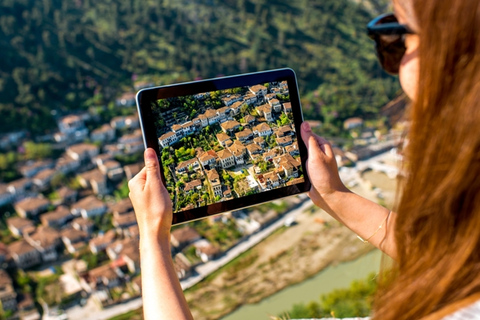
x=262 y=130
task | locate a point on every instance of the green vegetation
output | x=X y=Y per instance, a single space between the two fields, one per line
x=62 y=55
x=355 y=301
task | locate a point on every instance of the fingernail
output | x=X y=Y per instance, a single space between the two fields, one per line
x=150 y=154
x=306 y=126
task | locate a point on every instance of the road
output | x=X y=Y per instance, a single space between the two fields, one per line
x=90 y=310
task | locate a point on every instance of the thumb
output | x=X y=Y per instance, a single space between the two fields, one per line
x=152 y=166
x=315 y=144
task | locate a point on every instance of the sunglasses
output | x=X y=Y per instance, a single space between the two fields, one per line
x=389 y=36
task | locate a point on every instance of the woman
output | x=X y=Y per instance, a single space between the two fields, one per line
x=435 y=234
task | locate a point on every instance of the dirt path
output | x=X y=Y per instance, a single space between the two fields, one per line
x=288 y=256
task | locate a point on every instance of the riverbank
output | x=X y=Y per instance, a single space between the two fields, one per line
x=287 y=257
x=331 y=278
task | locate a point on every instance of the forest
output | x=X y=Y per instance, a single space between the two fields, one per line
x=58 y=56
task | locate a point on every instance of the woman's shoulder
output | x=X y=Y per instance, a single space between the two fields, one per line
x=471 y=312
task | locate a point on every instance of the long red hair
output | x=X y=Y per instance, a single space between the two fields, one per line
x=437 y=229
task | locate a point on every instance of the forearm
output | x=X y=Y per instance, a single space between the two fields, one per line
x=162 y=294
x=363 y=217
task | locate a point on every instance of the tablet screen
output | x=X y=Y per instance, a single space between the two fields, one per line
x=221 y=145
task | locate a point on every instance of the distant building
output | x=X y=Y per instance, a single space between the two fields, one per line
x=58 y=218
x=8 y=296
x=46 y=240
x=24 y=255
x=6 y=196
x=168 y=139
x=262 y=130
x=226 y=158
x=105 y=133
x=16 y=225
x=244 y=135
x=82 y=151
x=258 y=90
x=89 y=207
x=126 y=100
x=265 y=110
x=352 y=123
x=31 y=207
x=94 y=179
x=182 y=237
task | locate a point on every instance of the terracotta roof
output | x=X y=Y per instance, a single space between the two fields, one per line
x=167 y=135
x=74 y=235
x=88 y=203
x=102 y=129
x=210 y=113
x=20 y=183
x=19 y=223
x=244 y=133
x=185 y=234
x=45 y=236
x=283 y=140
x=122 y=206
x=192 y=185
x=287 y=105
x=186 y=164
x=104 y=271
x=213 y=153
x=20 y=247
x=259 y=140
x=237 y=104
x=206 y=157
x=59 y=213
x=222 y=136
x=237 y=148
x=82 y=147
x=249 y=118
x=224 y=154
x=5 y=279
x=280 y=132
x=29 y=204
x=232 y=97
x=44 y=174
x=106 y=238
x=295 y=181
x=258 y=88
x=212 y=175
x=253 y=148
x=125 y=219
x=65 y=192
x=229 y=125
x=70 y=119
x=95 y=175
x=82 y=222
x=176 y=127
x=265 y=108
x=262 y=127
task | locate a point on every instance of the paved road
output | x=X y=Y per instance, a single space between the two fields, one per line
x=91 y=312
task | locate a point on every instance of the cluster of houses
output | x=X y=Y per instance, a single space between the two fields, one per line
x=242 y=142
x=256 y=95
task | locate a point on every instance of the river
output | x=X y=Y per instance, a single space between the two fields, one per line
x=327 y=280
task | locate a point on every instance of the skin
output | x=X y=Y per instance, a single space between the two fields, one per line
x=162 y=295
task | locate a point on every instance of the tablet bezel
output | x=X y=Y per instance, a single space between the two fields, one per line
x=146 y=96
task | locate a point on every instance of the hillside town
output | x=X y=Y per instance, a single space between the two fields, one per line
x=69 y=233
x=244 y=145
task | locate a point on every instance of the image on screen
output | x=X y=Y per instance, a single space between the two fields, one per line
x=221 y=145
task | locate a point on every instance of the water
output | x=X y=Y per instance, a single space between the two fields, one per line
x=331 y=278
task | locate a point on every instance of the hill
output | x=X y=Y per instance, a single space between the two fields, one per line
x=56 y=55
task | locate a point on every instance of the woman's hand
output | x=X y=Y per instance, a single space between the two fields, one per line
x=321 y=167
x=151 y=200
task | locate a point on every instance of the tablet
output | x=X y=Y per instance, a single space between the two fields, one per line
x=226 y=143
